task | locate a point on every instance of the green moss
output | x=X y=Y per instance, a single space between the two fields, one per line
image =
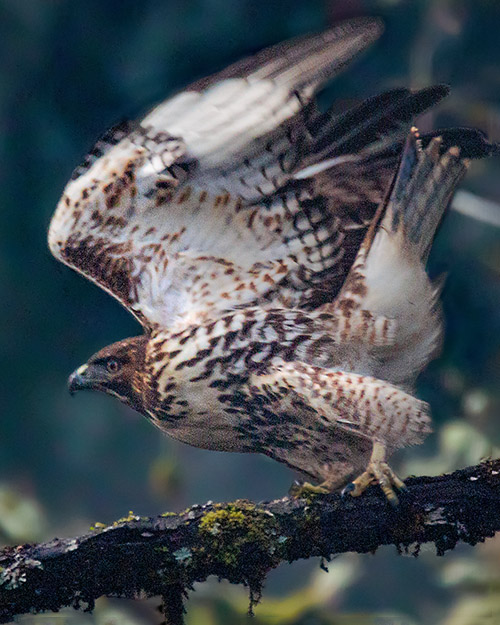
x=230 y=533
x=242 y=541
x=311 y=497
x=308 y=523
x=130 y=517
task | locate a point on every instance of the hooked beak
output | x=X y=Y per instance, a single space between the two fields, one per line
x=80 y=380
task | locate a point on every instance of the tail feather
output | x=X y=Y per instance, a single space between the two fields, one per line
x=388 y=277
x=430 y=169
x=422 y=190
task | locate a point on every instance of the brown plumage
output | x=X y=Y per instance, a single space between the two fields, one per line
x=227 y=222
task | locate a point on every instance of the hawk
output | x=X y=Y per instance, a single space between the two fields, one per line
x=274 y=259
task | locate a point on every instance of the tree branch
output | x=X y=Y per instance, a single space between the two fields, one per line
x=242 y=541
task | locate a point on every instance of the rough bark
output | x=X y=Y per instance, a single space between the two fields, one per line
x=242 y=541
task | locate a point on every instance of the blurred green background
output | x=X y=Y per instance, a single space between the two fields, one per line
x=72 y=68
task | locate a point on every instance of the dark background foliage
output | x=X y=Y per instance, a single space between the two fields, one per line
x=69 y=70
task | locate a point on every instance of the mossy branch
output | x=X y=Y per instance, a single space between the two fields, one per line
x=242 y=541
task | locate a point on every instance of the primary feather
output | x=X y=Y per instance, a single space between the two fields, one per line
x=212 y=200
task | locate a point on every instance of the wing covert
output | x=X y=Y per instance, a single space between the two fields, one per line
x=201 y=207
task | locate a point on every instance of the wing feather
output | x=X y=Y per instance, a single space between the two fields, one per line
x=303 y=61
x=201 y=207
x=388 y=277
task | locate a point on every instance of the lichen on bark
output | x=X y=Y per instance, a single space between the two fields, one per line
x=241 y=541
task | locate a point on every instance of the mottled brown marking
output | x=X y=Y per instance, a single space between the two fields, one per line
x=96 y=216
x=251 y=219
x=347 y=306
x=114 y=220
x=106 y=263
x=184 y=196
x=112 y=200
x=164 y=184
x=357 y=286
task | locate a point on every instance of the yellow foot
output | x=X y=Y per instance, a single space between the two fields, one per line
x=305 y=489
x=377 y=472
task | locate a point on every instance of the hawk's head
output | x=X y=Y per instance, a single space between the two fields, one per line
x=116 y=370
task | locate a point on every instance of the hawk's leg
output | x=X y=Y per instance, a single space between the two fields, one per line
x=354 y=412
x=377 y=472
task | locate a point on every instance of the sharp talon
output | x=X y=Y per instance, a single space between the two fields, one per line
x=378 y=472
x=394 y=501
x=347 y=490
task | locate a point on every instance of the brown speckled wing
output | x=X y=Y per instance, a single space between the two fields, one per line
x=216 y=199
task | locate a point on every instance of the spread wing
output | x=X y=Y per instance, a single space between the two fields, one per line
x=237 y=188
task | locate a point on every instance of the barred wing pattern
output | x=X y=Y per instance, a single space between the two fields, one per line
x=236 y=190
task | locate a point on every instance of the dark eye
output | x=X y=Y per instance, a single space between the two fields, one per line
x=113 y=365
